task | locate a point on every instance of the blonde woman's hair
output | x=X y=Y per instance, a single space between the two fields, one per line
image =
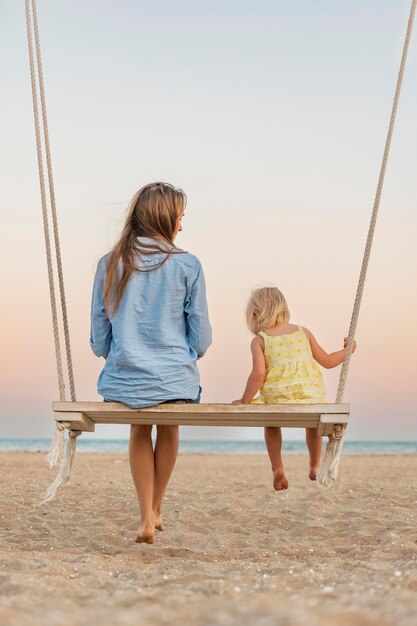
x=266 y=308
x=153 y=212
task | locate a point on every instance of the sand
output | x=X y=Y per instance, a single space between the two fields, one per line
x=233 y=552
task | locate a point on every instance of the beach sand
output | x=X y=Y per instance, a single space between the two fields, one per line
x=233 y=552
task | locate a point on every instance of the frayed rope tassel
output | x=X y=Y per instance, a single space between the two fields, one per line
x=64 y=473
x=57 y=449
x=330 y=464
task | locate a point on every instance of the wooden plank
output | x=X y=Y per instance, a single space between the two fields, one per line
x=240 y=409
x=77 y=421
x=185 y=420
x=335 y=418
x=81 y=424
x=168 y=417
x=286 y=415
x=327 y=422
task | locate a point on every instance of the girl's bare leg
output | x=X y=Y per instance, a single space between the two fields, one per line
x=273 y=440
x=166 y=450
x=141 y=459
x=314 y=444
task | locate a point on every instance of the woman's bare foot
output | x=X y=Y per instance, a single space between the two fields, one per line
x=159 y=525
x=280 y=480
x=146 y=534
x=314 y=470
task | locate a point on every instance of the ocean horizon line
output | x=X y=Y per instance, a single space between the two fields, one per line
x=197 y=446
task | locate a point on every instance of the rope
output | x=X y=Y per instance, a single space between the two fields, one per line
x=57 y=448
x=57 y=344
x=329 y=467
x=53 y=203
x=65 y=470
x=371 y=231
x=61 y=383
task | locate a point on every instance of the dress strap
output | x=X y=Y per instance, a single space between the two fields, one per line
x=304 y=334
x=306 y=338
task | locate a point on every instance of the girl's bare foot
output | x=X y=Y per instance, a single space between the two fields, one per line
x=146 y=534
x=314 y=470
x=280 y=480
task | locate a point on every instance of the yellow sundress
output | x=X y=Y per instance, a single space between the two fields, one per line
x=292 y=374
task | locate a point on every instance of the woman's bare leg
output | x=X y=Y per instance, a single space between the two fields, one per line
x=141 y=457
x=273 y=440
x=166 y=450
x=314 y=445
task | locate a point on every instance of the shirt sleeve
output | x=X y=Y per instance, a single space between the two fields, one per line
x=198 y=328
x=101 y=330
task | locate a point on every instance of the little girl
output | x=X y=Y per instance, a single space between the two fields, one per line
x=149 y=320
x=285 y=369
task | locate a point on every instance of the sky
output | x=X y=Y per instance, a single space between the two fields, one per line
x=272 y=117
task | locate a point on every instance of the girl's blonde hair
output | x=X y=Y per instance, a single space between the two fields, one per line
x=266 y=308
x=153 y=212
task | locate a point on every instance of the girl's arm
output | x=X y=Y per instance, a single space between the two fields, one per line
x=197 y=323
x=322 y=357
x=257 y=375
x=101 y=331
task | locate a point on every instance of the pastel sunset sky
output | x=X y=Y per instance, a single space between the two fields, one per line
x=272 y=116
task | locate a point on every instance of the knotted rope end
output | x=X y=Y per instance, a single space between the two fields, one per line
x=65 y=470
x=54 y=455
x=330 y=464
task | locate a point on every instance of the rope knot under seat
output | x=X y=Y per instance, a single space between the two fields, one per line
x=338 y=431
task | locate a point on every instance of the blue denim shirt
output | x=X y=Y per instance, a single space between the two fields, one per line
x=152 y=343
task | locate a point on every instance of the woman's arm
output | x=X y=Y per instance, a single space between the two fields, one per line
x=324 y=358
x=197 y=323
x=101 y=331
x=257 y=375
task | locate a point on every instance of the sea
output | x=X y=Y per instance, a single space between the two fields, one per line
x=211 y=446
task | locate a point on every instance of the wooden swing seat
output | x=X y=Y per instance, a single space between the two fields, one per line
x=83 y=416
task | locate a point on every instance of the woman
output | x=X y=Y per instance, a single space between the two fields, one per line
x=150 y=322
